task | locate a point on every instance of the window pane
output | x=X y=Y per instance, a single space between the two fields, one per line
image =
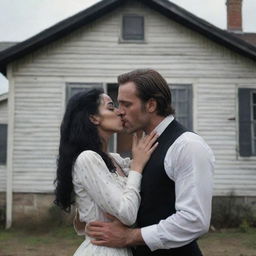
x=182 y=95
x=183 y=108
x=182 y=103
x=174 y=98
x=133 y=27
x=76 y=90
x=254 y=113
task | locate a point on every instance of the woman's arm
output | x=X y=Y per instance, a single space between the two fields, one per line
x=103 y=188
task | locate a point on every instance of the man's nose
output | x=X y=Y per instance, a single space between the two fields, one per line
x=121 y=111
x=118 y=112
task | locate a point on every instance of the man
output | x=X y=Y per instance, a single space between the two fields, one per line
x=176 y=188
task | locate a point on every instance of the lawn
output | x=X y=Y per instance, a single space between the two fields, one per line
x=63 y=241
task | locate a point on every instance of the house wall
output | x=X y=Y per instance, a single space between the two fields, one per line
x=3 y=120
x=95 y=54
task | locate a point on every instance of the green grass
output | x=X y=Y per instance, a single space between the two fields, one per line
x=63 y=241
x=37 y=236
x=229 y=242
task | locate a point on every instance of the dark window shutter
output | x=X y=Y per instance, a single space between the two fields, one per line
x=133 y=27
x=245 y=140
x=3 y=143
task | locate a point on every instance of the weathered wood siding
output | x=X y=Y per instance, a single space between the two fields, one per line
x=3 y=120
x=2 y=178
x=95 y=54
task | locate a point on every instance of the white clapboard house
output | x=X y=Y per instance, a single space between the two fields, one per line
x=211 y=72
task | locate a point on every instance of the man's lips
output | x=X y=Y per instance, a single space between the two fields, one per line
x=124 y=122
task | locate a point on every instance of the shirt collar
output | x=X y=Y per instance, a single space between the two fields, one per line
x=163 y=125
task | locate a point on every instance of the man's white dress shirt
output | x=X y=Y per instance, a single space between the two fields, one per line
x=189 y=162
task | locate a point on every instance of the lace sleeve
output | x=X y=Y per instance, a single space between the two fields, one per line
x=101 y=185
x=125 y=163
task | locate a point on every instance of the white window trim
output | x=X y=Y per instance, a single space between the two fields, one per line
x=125 y=41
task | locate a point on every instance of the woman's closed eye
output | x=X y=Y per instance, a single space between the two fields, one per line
x=111 y=106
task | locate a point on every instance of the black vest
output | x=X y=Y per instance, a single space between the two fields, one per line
x=158 y=194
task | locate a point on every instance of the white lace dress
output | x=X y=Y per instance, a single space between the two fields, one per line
x=99 y=191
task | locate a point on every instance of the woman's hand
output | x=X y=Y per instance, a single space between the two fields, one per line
x=142 y=148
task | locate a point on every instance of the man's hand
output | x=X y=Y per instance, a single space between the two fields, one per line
x=113 y=234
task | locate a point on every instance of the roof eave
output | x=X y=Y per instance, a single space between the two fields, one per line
x=212 y=32
x=165 y=7
x=55 y=32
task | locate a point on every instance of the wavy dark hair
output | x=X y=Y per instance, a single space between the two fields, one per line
x=77 y=133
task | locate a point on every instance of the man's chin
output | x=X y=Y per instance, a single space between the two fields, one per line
x=129 y=130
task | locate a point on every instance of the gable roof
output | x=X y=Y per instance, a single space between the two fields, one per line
x=165 y=7
x=5 y=45
x=248 y=37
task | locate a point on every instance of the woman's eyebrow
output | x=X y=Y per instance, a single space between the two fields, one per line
x=111 y=103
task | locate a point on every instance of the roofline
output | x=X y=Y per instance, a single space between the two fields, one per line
x=203 y=27
x=3 y=97
x=165 y=7
x=56 y=31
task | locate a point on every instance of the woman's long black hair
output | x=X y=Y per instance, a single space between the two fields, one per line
x=77 y=133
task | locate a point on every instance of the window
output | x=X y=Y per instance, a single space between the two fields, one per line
x=133 y=28
x=3 y=143
x=182 y=103
x=247 y=121
x=73 y=88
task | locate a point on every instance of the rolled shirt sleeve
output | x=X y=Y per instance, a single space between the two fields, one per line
x=190 y=163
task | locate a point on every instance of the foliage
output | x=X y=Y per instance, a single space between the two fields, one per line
x=56 y=215
x=232 y=212
x=244 y=226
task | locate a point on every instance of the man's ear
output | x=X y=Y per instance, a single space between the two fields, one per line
x=151 y=105
x=95 y=119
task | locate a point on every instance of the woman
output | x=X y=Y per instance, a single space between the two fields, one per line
x=102 y=182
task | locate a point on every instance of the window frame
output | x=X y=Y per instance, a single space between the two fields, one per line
x=122 y=39
x=104 y=86
x=70 y=86
x=189 y=87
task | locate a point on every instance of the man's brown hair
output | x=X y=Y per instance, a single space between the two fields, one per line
x=150 y=85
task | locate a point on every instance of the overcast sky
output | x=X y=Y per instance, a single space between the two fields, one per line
x=21 y=19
